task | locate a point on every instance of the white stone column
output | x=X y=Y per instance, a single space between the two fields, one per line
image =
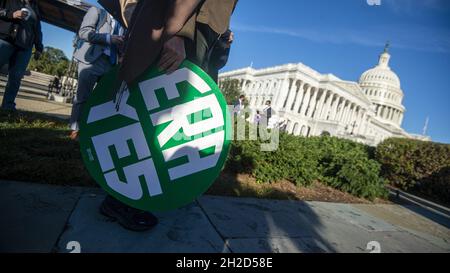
x=251 y=99
x=348 y=119
x=381 y=111
x=283 y=94
x=354 y=114
x=393 y=114
x=276 y=93
x=342 y=111
x=366 y=124
x=320 y=104
x=312 y=103
x=347 y=113
x=327 y=108
x=348 y=116
x=270 y=88
x=334 y=108
x=362 y=123
x=385 y=112
x=246 y=85
x=255 y=101
x=315 y=103
x=339 y=109
x=254 y=87
x=291 y=96
x=305 y=101
x=358 y=118
x=354 y=119
x=298 y=101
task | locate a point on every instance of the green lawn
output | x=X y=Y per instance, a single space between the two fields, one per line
x=36 y=148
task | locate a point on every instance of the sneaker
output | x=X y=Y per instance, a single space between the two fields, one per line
x=130 y=218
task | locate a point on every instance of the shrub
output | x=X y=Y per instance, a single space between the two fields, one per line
x=406 y=162
x=347 y=166
x=342 y=164
x=437 y=185
x=416 y=164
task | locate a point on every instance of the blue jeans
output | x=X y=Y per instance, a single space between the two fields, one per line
x=18 y=60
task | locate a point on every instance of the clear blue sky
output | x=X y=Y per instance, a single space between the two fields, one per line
x=345 y=38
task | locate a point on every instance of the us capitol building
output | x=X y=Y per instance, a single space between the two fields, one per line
x=308 y=103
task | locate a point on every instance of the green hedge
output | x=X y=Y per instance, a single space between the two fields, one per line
x=418 y=165
x=342 y=164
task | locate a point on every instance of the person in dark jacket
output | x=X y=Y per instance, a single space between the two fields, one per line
x=268 y=112
x=169 y=32
x=218 y=56
x=20 y=30
x=165 y=33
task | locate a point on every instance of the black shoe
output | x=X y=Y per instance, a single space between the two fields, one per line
x=130 y=218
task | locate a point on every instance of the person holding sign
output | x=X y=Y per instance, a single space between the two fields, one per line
x=165 y=33
x=97 y=48
x=190 y=30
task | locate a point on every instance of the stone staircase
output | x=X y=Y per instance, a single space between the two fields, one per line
x=33 y=83
x=36 y=84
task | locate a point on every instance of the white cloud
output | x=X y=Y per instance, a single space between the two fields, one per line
x=412 y=7
x=417 y=38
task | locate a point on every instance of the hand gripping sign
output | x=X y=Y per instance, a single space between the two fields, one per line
x=166 y=143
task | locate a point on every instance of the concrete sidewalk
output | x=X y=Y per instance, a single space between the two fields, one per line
x=43 y=218
x=37 y=103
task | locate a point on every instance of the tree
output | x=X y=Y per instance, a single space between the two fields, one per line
x=53 y=61
x=231 y=90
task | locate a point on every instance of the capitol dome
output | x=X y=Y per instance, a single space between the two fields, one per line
x=381 y=74
x=382 y=87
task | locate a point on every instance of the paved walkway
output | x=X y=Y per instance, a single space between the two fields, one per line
x=36 y=102
x=43 y=218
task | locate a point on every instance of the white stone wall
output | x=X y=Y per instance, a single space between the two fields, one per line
x=312 y=104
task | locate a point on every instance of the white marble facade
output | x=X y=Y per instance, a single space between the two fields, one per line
x=308 y=103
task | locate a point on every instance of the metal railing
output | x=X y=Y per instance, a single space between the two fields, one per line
x=436 y=208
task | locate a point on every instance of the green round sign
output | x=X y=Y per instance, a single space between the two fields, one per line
x=165 y=143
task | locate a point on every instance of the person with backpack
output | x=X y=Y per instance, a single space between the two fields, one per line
x=20 y=31
x=98 y=45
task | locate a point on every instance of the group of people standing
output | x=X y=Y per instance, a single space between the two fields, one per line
x=260 y=117
x=132 y=34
